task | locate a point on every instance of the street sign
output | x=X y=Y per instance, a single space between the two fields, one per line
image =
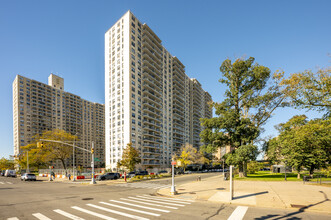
x=96 y=159
x=173 y=162
x=179 y=163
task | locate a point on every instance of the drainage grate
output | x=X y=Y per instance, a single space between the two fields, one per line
x=87 y=198
x=297 y=206
x=192 y=193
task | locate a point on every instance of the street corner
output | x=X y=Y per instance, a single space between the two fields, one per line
x=240 y=198
x=180 y=194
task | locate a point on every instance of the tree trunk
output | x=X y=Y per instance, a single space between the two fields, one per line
x=63 y=164
x=241 y=170
x=298 y=175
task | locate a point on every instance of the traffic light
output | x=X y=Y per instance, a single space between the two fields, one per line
x=92 y=150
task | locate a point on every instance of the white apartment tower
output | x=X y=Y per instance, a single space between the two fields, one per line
x=147 y=96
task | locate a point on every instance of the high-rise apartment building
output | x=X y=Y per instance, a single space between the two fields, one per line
x=38 y=107
x=149 y=99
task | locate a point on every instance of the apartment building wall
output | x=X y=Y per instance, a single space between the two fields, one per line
x=38 y=107
x=148 y=95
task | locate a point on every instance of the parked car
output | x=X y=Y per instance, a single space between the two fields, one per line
x=162 y=172
x=2 y=172
x=142 y=173
x=131 y=174
x=108 y=176
x=28 y=176
x=10 y=173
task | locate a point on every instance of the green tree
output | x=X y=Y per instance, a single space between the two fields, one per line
x=248 y=104
x=6 y=164
x=310 y=90
x=130 y=157
x=254 y=166
x=303 y=143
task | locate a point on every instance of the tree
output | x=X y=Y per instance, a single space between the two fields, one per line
x=188 y=155
x=6 y=164
x=130 y=157
x=310 y=90
x=303 y=143
x=37 y=157
x=248 y=104
x=50 y=151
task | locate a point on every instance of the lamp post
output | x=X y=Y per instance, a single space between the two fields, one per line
x=92 y=164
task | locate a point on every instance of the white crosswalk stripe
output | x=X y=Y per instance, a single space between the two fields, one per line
x=144 y=185
x=132 y=199
x=68 y=215
x=173 y=199
x=93 y=213
x=145 y=205
x=148 y=199
x=117 y=212
x=238 y=213
x=140 y=206
x=6 y=183
x=164 y=199
x=40 y=216
x=130 y=209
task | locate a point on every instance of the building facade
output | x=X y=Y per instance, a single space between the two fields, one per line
x=149 y=99
x=38 y=107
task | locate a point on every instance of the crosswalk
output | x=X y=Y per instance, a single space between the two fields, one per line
x=145 y=185
x=2 y=183
x=140 y=207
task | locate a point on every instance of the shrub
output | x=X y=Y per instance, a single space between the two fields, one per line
x=254 y=166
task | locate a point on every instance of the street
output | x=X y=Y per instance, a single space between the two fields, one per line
x=117 y=200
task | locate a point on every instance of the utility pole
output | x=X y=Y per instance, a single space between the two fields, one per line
x=73 y=162
x=231 y=183
x=92 y=164
x=173 y=188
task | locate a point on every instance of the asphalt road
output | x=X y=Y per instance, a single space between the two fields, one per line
x=67 y=200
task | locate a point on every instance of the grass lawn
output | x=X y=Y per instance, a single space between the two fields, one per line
x=268 y=176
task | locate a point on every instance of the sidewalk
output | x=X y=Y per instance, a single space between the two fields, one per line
x=288 y=195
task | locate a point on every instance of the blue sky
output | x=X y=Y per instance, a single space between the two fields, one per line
x=67 y=38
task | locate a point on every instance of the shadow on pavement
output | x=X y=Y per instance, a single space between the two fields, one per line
x=287 y=216
x=253 y=194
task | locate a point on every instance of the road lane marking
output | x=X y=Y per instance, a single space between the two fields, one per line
x=130 y=209
x=9 y=183
x=68 y=215
x=183 y=200
x=2 y=183
x=132 y=199
x=165 y=199
x=40 y=216
x=238 y=213
x=13 y=218
x=117 y=212
x=140 y=206
x=150 y=200
x=93 y=213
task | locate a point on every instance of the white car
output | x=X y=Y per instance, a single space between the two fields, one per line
x=28 y=176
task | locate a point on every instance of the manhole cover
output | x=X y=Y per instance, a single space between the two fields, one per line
x=87 y=198
x=297 y=206
x=192 y=193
